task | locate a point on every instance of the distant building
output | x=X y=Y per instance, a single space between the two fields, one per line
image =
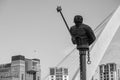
x=109 y=71
x=21 y=68
x=58 y=74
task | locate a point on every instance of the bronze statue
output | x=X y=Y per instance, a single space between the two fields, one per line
x=82 y=35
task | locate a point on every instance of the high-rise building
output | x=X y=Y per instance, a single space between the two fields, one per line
x=58 y=73
x=109 y=71
x=21 y=68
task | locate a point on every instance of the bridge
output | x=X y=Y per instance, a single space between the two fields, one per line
x=105 y=33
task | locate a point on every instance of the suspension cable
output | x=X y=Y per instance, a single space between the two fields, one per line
x=104 y=20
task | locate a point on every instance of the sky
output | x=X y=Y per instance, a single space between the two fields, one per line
x=33 y=28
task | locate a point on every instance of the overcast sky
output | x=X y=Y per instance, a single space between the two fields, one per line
x=33 y=28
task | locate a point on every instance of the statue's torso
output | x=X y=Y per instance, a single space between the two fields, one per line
x=80 y=34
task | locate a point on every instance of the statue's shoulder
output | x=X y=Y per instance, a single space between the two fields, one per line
x=85 y=25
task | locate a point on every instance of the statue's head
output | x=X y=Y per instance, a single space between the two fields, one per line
x=78 y=19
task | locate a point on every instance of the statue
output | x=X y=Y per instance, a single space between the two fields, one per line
x=82 y=35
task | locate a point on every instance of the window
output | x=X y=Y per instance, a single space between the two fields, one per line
x=112 y=67
x=22 y=76
x=111 y=78
x=111 y=75
x=111 y=72
x=52 y=76
x=66 y=71
x=52 y=71
x=38 y=78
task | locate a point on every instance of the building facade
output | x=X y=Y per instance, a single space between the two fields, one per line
x=21 y=68
x=58 y=74
x=109 y=71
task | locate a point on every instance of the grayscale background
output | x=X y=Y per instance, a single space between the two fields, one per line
x=33 y=28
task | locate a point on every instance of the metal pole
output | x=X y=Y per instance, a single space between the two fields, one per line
x=59 y=9
x=82 y=56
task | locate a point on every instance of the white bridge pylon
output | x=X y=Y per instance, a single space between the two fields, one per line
x=103 y=42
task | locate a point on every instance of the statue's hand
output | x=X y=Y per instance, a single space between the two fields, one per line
x=73 y=41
